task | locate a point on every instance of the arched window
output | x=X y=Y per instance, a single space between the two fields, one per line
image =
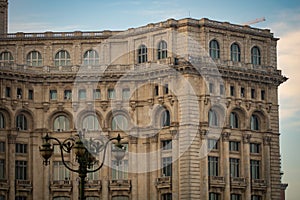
x=119 y=122
x=165 y=118
x=214 y=49
x=91 y=123
x=142 y=54
x=61 y=198
x=90 y=58
x=255 y=56
x=61 y=123
x=2 y=121
x=34 y=58
x=62 y=58
x=92 y=198
x=212 y=118
x=120 y=198
x=234 y=120
x=254 y=123
x=6 y=57
x=21 y=122
x=235 y=52
x=162 y=51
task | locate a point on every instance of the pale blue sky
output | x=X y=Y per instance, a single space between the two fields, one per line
x=282 y=17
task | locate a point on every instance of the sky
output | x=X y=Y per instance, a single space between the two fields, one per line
x=282 y=17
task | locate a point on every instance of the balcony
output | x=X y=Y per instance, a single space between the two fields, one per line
x=259 y=184
x=23 y=185
x=238 y=183
x=93 y=185
x=61 y=186
x=4 y=184
x=164 y=182
x=217 y=181
x=120 y=185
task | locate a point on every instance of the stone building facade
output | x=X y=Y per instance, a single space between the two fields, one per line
x=196 y=102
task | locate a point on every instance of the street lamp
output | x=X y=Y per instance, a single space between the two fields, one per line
x=85 y=151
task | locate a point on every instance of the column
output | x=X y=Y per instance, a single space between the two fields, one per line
x=246 y=164
x=204 y=190
x=175 y=166
x=267 y=168
x=226 y=169
x=133 y=166
x=153 y=162
x=11 y=164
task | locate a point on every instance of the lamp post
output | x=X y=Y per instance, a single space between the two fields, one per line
x=85 y=151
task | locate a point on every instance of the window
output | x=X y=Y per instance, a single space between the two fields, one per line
x=30 y=94
x=111 y=93
x=6 y=57
x=19 y=93
x=211 y=88
x=162 y=51
x=214 y=49
x=82 y=94
x=262 y=95
x=21 y=122
x=90 y=58
x=126 y=94
x=120 y=198
x=2 y=147
x=61 y=123
x=222 y=90
x=61 y=198
x=2 y=197
x=234 y=146
x=235 y=197
x=142 y=54
x=212 y=118
x=256 y=197
x=20 y=198
x=255 y=169
x=119 y=169
x=2 y=169
x=213 y=166
x=60 y=172
x=96 y=94
x=235 y=52
x=7 y=92
x=165 y=118
x=254 y=122
x=2 y=121
x=214 y=196
x=62 y=58
x=167 y=166
x=91 y=123
x=254 y=148
x=212 y=144
x=242 y=92
x=166 y=144
x=34 y=58
x=166 y=89
x=53 y=94
x=234 y=120
x=255 y=56
x=119 y=122
x=232 y=93
x=94 y=175
x=167 y=196
x=92 y=198
x=156 y=90
x=21 y=148
x=234 y=167
x=21 y=170
x=253 y=93
x=68 y=94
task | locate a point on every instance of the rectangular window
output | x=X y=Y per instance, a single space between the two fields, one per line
x=21 y=170
x=166 y=144
x=53 y=94
x=2 y=169
x=60 y=172
x=21 y=198
x=94 y=175
x=167 y=166
x=234 y=167
x=235 y=197
x=232 y=90
x=212 y=144
x=211 y=88
x=67 y=94
x=82 y=94
x=2 y=147
x=111 y=94
x=234 y=146
x=21 y=148
x=126 y=94
x=262 y=95
x=256 y=197
x=214 y=196
x=213 y=166
x=222 y=90
x=242 y=92
x=166 y=89
x=254 y=148
x=7 y=92
x=167 y=196
x=96 y=94
x=255 y=169
x=253 y=93
x=2 y=197
x=19 y=93
x=30 y=94
x=119 y=169
x=156 y=90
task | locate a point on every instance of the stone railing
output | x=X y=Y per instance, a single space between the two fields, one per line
x=259 y=184
x=164 y=182
x=61 y=185
x=120 y=184
x=217 y=181
x=24 y=185
x=238 y=182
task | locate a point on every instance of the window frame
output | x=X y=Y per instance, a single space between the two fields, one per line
x=142 y=54
x=34 y=58
x=91 y=58
x=7 y=57
x=213 y=166
x=62 y=58
x=21 y=122
x=235 y=52
x=162 y=50
x=61 y=123
x=255 y=56
x=214 y=49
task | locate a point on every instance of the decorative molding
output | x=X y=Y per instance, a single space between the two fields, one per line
x=246 y=138
x=267 y=140
x=226 y=135
x=133 y=139
x=11 y=139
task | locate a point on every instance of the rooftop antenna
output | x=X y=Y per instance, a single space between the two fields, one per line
x=254 y=21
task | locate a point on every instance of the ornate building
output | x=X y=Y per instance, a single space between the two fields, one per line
x=195 y=101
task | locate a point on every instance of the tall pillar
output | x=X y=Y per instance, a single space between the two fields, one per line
x=11 y=164
x=246 y=164
x=267 y=170
x=153 y=162
x=3 y=16
x=204 y=190
x=226 y=169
